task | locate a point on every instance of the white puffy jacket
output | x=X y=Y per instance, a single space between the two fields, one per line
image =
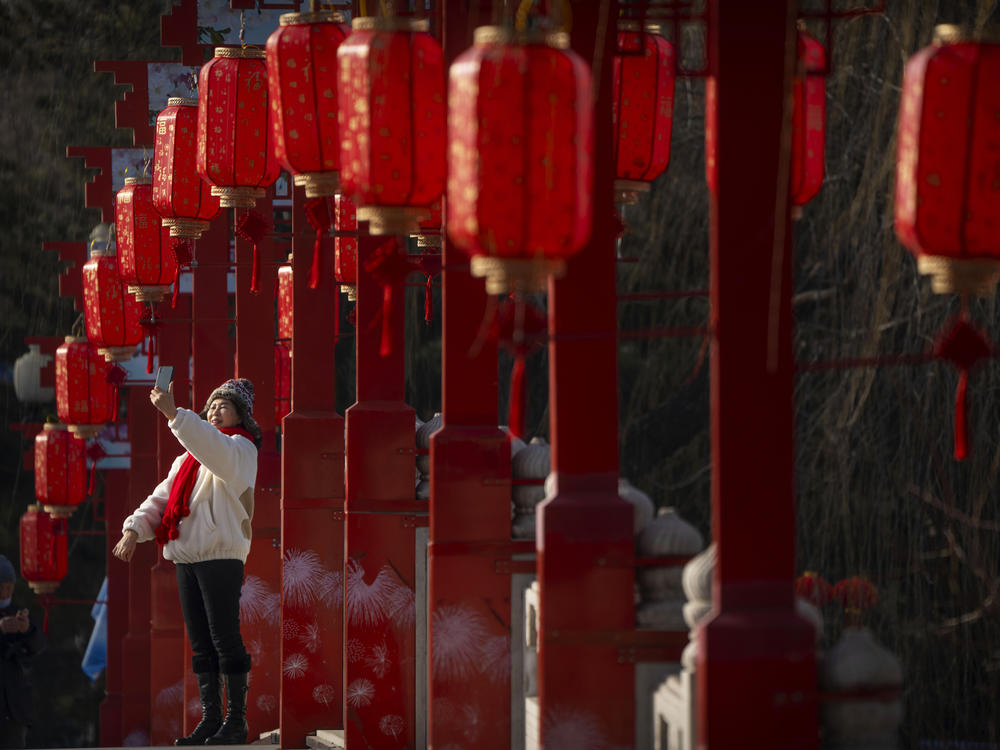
x=218 y=527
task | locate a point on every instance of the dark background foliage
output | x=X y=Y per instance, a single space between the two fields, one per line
x=878 y=491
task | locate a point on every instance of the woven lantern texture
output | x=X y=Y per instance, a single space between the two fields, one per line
x=183 y=200
x=60 y=469
x=520 y=156
x=44 y=550
x=948 y=162
x=145 y=262
x=84 y=397
x=390 y=87
x=112 y=314
x=235 y=148
x=302 y=81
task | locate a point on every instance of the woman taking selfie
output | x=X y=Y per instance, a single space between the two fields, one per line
x=201 y=514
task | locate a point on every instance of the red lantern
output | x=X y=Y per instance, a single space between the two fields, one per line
x=44 y=551
x=145 y=262
x=948 y=163
x=345 y=248
x=234 y=153
x=83 y=394
x=112 y=315
x=183 y=200
x=430 y=228
x=60 y=470
x=520 y=152
x=642 y=108
x=392 y=121
x=282 y=380
x=808 y=122
x=285 y=301
x=302 y=81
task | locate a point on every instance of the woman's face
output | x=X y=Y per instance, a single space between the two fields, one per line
x=222 y=413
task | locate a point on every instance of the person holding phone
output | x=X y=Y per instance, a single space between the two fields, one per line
x=20 y=640
x=201 y=513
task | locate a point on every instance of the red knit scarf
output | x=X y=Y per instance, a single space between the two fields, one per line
x=178 y=505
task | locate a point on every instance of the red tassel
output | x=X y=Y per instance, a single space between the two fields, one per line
x=961 y=417
x=183 y=257
x=151 y=326
x=252 y=226
x=115 y=375
x=429 y=300
x=318 y=213
x=389 y=266
x=95 y=453
x=385 y=347
x=964 y=346
x=515 y=408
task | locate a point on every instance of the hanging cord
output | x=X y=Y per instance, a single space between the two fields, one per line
x=151 y=326
x=243 y=28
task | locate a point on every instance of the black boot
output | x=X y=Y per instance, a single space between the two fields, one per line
x=211 y=710
x=234 y=729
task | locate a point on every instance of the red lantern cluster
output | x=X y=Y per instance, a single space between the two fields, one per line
x=84 y=397
x=44 y=550
x=145 y=262
x=520 y=152
x=60 y=470
x=642 y=108
x=183 y=200
x=302 y=79
x=345 y=247
x=948 y=162
x=112 y=314
x=392 y=121
x=235 y=155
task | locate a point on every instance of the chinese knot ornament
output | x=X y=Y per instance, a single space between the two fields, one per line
x=235 y=153
x=145 y=262
x=345 y=246
x=60 y=470
x=302 y=81
x=390 y=86
x=44 y=550
x=84 y=397
x=184 y=200
x=642 y=108
x=948 y=163
x=520 y=156
x=112 y=314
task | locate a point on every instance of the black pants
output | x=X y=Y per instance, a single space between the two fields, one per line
x=210 y=600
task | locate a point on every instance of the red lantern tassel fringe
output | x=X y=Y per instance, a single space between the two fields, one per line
x=252 y=226
x=390 y=267
x=319 y=216
x=115 y=376
x=151 y=325
x=183 y=256
x=964 y=346
x=95 y=453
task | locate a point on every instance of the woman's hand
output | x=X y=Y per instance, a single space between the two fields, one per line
x=164 y=401
x=126 y=545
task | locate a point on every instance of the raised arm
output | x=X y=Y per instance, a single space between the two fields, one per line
x=230 y=457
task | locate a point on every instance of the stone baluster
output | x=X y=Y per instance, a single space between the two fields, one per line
x=533 y=462
x=661 y=595
x=423 y=443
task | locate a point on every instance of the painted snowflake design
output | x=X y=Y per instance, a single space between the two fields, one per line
x=267 y=703
x=299 y=574
x=171 y=696
x=310 y=638
x=360 y=693
x=325 y=694
x=294 y=666
x=289 y=629
x=392 y=725
x=255 y=600
x=573 y=728
x=355 y=651
x=496 y=659
x=378 y=660
x=370 y=603
x=458 y=638
x=330 y=589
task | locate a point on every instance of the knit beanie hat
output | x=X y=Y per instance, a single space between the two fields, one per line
x=240 y=392
x=7 y=574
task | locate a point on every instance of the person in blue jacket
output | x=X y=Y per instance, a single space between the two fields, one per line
x=20 y=640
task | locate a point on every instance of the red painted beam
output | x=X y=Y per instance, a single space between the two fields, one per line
x=179 y=28
x=753 y=636
x=97 y=191
x=132 y=110
x=583 y=686
x=71 y=279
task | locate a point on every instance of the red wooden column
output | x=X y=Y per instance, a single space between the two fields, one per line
x=584 y=540
x=312 y=504
x=382 y=515
x=116 y=486
x=756 y=664
x=260 y=617
x=470 y=507
x=169 y=658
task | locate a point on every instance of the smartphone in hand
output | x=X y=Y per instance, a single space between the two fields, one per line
x=163 y=377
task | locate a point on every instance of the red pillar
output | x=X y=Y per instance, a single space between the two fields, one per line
x=469 y=582
x=756 y=663
x=116 y=495
x=260 y=619
x=584 y=540
x=382 y=516
x=312 y=505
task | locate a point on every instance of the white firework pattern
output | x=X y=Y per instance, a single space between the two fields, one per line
x=294 y=666
x=496 y=659
x=369 y=604
x=458 y=637
x=392 y=725
x=256 y=600
x=289 y=629
x=254 y=648
x=360 y=693
x=471 y=724
x=300 y=571
x=330 y=589
x=325 y=694
x=172 y=695
x=355 y=650
x=267 y=703
x=310 y=638
x=194 y=707
x=379 y=661
x=402 y=608
x=573 y=728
